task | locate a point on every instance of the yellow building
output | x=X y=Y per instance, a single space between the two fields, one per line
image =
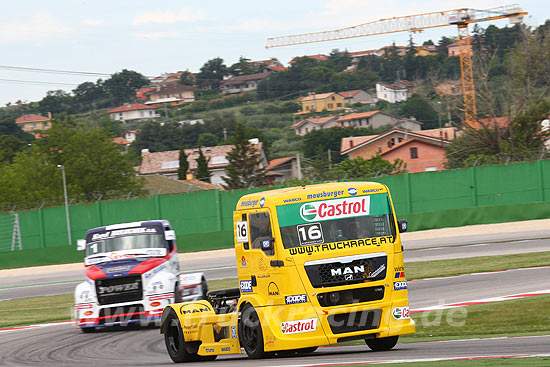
x=321 y=102
x=32 y=122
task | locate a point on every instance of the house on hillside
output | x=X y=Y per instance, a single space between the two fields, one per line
x=453 y=49
x=318 y=57
x=401 y=50
x=133 y=112
x=490 y=122
x=130 y=135
x=422 y=150
x=305 y=126
x=390 y=93
x=426 y=50
x=407 y=85
x=281 y=169
x=172 y=94
x=242 y=83
x=357 y=96
x=321 y=102
x=411 y=124
x=167 y=163
x=374 y=119
x=31 y=122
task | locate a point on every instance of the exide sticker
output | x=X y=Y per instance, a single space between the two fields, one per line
x=246 y=286
x=397 y=286
x=334 y=209
x=298 y=326
x=299 y=298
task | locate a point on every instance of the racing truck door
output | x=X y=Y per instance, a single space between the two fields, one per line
x=257 y=257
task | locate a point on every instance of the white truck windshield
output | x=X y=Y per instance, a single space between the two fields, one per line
x=125 y=243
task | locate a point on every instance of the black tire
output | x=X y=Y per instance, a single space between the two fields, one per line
x=173 y=339
x=204 y=287
x=88 y=330
x=177 y=294
x=250 y=333
x=382 y=344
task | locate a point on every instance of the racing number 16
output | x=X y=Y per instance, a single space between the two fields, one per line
x=242 y=232
x=310 y=234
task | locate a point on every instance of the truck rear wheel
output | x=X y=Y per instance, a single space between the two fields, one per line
x=173 y=338
x=250 y=333
x=381 y=344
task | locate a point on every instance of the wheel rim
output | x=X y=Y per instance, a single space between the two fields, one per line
x=173 y=337
x=250 y=331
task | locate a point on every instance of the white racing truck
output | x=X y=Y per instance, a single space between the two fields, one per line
x=132 y=273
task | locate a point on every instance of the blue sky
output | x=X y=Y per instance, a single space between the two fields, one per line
x=151 y=38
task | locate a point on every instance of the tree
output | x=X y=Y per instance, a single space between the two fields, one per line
x=243 y=67
x=94 y=165
x=416 y=106
x=187 y=78
x=212 y=73
x=243 y=170
x=202 y=173
x=184 y=164
x=364 y=168
x=207 y=140
x=56 y=101
x=122 y=86
x=9 y=147
x=9 y=127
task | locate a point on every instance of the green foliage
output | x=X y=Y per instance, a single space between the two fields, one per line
x=418 y=107
x=187 y=78
x=244 y=160
x=202 y=173
x=211 y=73
x=9 y=147
x=122 y=86
x=207 y=140
x=9 y=127
x=184 y=164
x=365 y=168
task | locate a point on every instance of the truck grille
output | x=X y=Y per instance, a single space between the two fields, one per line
x=355 y=321
x=117 y=290
x=335 y=273
x=121 y=314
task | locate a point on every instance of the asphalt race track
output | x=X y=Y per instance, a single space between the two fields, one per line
x=65 y=345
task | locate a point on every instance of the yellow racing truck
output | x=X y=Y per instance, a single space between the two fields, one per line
x=317 y=265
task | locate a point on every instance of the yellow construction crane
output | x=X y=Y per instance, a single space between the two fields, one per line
x=417 y=23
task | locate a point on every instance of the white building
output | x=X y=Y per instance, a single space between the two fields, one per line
x=133 y=112
x=390 y=93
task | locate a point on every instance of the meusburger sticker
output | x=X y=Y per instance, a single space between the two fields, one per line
x=401 y=313
x=299 y=326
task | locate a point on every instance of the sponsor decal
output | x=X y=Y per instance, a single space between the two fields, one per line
x=226 y=349
x=347 y=270
x=400 y=274
x=251 y=203
x=209 y=350
x=397 y=286
x=262 y=202
x=197 y=308
x=324 y=194
x=246 y=286
x=368 y=191
x=299 y=298
x=242 y=231
x=310 y=234
x=118 y=288
x=263 y=276
x=158 y=252
x=243 y=261
x=291 y=200
x=234 y=332
x=310 y=249
x=298 y=326
x=269 y=342
x=335 y=209
x=266 y=244
x=398 y=268
x=125 y=232
x=118 y=269
x=401 y=313
x=352 y=191
x=154 y=271
x=272 y=289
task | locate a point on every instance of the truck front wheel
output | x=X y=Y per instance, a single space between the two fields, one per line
x=250 y=333
x=173 y=338
x=382 y=344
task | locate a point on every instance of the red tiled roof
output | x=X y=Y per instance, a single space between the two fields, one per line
x=278 y=161
x=120 y=140
x=315 y=121
x=131 y=107
x=319 y=57
x=362 y=53
x=405 y=142
x=276 y=68
x=389 y=86
x=357 y=140
x=31 y=118
x=490 y=122
x=315 y=97
x=170 y=88
x=353 y=116
x=244 y=78
x=349 y=93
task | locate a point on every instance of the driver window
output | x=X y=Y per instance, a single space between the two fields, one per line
x=260 y=228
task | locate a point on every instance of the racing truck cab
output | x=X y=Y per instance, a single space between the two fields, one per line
x=132 y=273
x=317 y=265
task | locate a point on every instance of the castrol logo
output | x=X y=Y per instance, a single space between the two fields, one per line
x=298 y=326
x=335 y=209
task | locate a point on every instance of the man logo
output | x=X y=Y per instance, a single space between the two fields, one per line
x=352 y=191
x=349 y=276
x=272 y=289
x=308 y=212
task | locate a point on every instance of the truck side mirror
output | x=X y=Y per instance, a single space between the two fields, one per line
x=81 y=245
x=267 y=244
x=402 y=224
x=170 y=235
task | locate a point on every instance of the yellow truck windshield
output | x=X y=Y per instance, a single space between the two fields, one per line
x=335 y=220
